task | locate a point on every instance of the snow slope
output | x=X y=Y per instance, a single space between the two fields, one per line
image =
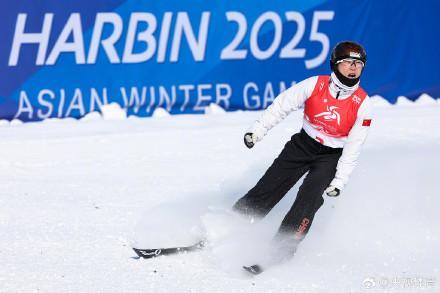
x=75 y=195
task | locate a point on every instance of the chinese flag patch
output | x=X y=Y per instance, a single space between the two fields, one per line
x=366 y=122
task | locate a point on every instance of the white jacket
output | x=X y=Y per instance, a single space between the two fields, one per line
x=294 y=98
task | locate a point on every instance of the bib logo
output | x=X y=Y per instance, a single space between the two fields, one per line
x=330 y=114
x=356 y=99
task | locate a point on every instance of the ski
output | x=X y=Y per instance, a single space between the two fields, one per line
x=155 y=252
x=254 y=269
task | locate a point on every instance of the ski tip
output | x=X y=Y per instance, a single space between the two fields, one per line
x=254 y=269
x=147 y=253
x=155 y=252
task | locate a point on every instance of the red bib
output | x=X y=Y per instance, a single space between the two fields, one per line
x=331 y=116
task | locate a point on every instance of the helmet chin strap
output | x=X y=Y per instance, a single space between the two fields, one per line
x=345 y=80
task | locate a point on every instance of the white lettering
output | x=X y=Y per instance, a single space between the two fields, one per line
x=62 y=101
x=290 y=50
x=76 y=103
x=283 y=86
x=201 y=97
x=73 y=26
x=319 y=37
x=146 y=36
x=24 y=106
x=165 y=97
x=186 y=88
x=223 y=97
x=255 y=98
x=135 y=100
x=45 y=103
x=95 y=100
x=278 y=28
x=163 y=38
x=109 y=43
x=268 y=95
x=231 y=51
x=20 y=38
x=198 y=46
x=152 y=99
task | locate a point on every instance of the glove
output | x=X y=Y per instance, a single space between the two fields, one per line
x=250 y=139
x=332 y=191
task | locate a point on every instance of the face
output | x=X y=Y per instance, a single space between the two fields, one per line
x=350 y=68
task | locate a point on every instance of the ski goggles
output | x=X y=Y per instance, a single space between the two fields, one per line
x=350 y=61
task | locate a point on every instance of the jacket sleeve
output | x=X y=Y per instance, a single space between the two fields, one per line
x=290 y=100
x=353 y=145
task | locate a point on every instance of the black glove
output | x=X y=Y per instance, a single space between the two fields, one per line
x=332 y=191
x=250 y=140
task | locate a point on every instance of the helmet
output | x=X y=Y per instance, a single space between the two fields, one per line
x=347 y=49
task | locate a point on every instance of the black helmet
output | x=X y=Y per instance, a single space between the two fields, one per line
x=347 y=49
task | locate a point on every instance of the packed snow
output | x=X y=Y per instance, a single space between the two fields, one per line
x=77 y=195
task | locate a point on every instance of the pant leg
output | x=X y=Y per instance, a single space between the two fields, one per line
x=285 y=171
x=309 y=199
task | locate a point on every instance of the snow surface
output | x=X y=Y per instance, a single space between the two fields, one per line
x=113 y=111
x=379 y=101
x=76 y=195
x=404 y=101
x=214 y=109
x=160 y=112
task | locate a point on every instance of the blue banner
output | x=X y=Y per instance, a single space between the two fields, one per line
x=65 y=59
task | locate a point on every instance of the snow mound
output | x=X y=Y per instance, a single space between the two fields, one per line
x=134 y=118
x=404 y=101
x=425 y=99
x=16 y=122
x=160 y=112
x=4 y=122
x=92 y=116
x=214 y=109
x=113 y=112
x=379 y=101
x=53 y=120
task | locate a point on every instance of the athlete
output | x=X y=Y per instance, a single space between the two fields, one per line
x=335 y=125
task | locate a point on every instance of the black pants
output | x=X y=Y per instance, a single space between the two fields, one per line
x=300 y=155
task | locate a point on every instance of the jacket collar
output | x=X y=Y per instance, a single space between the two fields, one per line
x=337 y=86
